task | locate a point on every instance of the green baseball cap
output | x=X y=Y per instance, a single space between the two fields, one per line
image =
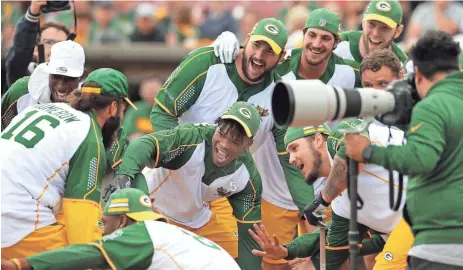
x=272 y=31
x=294 y=133
x=111 y=81
x=133 y=203
x=389 y=12
x=246 y=114
x=324 y=19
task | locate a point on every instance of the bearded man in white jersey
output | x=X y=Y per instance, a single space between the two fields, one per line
x=135 y=238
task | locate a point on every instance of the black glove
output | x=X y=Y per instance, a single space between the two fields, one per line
x=119 y=182
x=315 y=212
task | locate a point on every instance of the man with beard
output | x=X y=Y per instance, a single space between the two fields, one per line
x=197 y=163
x=319 y=152
x=53 y=159
x=134 y=238
x=316 y=60
x=201 y=88
x=382 y=23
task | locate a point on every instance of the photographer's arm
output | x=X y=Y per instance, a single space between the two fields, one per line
x=20 y=54
x=425 y=143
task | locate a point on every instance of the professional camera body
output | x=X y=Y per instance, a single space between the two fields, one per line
x=54 y=6
x=311 y=102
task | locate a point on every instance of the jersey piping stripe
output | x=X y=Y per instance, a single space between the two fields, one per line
x=43 y=192
x=157 y=151
x=253 y=199
x=164 y=108
x=105 y=255
x=97 y=161
x=116 y=163
x=282 y=153
x=170 y=80
x=9 y=107
x=162 y=183
x=185 y=89
x=170 y=256
x=116 y=141
x=380 y=178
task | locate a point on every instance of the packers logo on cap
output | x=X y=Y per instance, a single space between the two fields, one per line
x=271 y=29
x=322 y=22
x=145 y=201
x=383 y=6
x=245 y=112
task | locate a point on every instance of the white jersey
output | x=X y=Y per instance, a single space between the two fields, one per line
x=164 y=246
x=373 y=186
x=37 y=151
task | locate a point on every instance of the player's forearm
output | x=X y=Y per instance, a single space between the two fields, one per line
x=304 y=246
x=71 y=257
x=246 y=244
x=140 y=153
x=161 y=119
x=337 y=180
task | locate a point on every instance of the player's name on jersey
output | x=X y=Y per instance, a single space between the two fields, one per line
x=58 y=112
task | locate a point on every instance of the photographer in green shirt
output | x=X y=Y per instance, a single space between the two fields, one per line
x=432 y=157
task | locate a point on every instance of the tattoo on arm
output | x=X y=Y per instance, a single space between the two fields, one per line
x=337 y=180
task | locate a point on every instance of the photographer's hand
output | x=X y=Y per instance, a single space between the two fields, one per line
x=355 y=145
x=36 y=5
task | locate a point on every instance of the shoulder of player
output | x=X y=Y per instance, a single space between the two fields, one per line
x=17 y=89
x=352 y=35
x=351 y=123
x=200 y=58
x=342 y=61
x=289 y=61
x=399 y=53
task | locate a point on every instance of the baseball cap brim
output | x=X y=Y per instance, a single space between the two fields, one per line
x=275 y=47
x=243 y=124
x=131 y=103
x=376 y=17
x=146 y=215
x=68 y=72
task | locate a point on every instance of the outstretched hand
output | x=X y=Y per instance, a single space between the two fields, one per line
x=271 y=246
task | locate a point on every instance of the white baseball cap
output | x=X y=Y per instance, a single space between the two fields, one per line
x=67 y=58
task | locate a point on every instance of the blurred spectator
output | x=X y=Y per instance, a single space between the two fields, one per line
x=353 y=14
x=436 y=15
x=219 y=19
x=283 y=14
x=84 y=24
x=104 y=29
x=137 y=122
x=295 y=22
x=145 y=25
x=182 y=27
x=23 y=52
x=125 y=15
x=247 y=22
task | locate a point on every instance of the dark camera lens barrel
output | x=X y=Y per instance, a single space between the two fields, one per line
x=57 y=4
x=283 y=99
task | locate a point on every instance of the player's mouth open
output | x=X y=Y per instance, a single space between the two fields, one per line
x=222 y=155
x=300 y=167
x=316 y=52
x=256 y=64
x=375 y=42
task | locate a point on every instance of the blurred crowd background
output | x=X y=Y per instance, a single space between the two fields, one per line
x=192 y=24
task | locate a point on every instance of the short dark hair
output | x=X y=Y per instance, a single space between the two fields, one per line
x=436 y=52
x=376 y=59
x=57 y=25
x=90 y=101
x=228 y=125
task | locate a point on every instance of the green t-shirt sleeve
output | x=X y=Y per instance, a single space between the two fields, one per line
x=335 y=140
x=247 y=209
x=129 y=121
x=182 y=88
x=306 y=245
x=127 y=248
x=87 y=167
x=300 y=191
x=425 y=142
x=73 y=257
x=160 y=149
x=9 y=99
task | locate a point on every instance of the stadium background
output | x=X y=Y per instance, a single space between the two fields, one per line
x=110 y=32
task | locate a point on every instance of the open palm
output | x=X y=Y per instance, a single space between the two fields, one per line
x=271 y=247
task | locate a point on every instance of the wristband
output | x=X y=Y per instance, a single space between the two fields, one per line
x=17 y=263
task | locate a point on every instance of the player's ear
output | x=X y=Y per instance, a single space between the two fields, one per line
x=124 y=221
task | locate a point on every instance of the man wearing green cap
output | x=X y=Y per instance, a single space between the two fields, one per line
x=319 y=152
x=382 y=23
x=135 y=238
x=315 y=60
x=201 y=88
x=53 y=160
x=195 y=163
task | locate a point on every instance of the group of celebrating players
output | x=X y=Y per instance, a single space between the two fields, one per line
x=217 y=185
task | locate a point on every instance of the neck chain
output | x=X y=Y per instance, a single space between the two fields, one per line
x=233 y=186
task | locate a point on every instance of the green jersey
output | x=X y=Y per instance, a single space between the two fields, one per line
x=143 y=245
x=186 y=175
x=137 y=120
x=433 y=157
x=349 y=47
x=339 y=72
